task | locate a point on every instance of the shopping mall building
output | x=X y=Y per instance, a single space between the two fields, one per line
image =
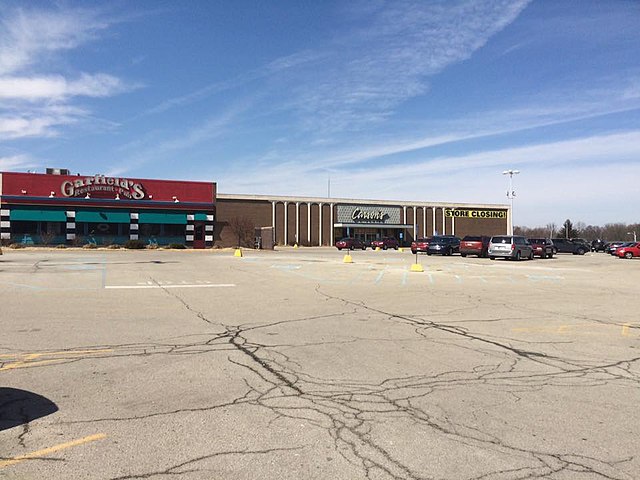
x=59 y=208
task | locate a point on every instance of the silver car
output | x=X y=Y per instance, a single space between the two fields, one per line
x=510 y=247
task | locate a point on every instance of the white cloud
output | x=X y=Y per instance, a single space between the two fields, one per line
x=59 y=88
x=15 y=162
x=37 y=100
x=27 y=36
x=387 y=62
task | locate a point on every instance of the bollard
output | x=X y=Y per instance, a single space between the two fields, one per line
x=238 y=252
x=347 y=259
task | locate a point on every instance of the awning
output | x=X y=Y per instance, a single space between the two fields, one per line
x=37 y=215
x=169 y=218
x=200 y=217
x=102 y=216
x=372 y=225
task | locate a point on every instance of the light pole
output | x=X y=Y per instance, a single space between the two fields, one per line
x=511 y=194
x=635 y=237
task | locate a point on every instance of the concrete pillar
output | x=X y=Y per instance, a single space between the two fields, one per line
x=309 y=222
x=415 y=225
x=444 y=223
x=433 y=218
x=273 y=221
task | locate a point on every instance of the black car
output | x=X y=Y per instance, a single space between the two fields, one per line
x=444 y=245
x=598 y=245
x=563 y=245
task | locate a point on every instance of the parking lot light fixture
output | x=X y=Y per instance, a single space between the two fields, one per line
x=635 y=236
x=511 y=194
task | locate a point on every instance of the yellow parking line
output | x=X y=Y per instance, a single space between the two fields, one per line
x=24 y=360
x=56 y=448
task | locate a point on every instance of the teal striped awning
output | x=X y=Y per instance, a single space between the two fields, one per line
x=200 y=217
x=37 y=215
x=167 y=218
x=102 y=216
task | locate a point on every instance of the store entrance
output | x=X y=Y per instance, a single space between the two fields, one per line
x=369 y=234
x=198 y=235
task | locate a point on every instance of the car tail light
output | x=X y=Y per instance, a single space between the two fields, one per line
x=513 y=246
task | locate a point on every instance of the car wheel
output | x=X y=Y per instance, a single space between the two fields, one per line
x=339 y=248
x=628 y=255
x=412 y=251
x=550 y=255
x=364 y=247
x=518 y=256
x=350 y=247
x=463 y=255
x=492 y=258
x=384 y=247
x=428 y=253
x=449 y=252
x=531 y=256
x=580 y=251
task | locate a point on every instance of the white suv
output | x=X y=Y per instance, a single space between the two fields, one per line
x=510 y=247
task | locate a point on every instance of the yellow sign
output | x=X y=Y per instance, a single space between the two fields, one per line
x=448 y=212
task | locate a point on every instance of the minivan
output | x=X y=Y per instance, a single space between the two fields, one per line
x=510 y=247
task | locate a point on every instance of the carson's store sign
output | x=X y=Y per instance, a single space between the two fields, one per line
x=449 y=212
x=103 y=186
x=368 y=214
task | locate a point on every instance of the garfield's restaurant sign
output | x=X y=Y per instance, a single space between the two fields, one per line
x=103 y=185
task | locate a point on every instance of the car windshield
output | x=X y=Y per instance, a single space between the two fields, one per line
x=472 y=239
x=501 y=240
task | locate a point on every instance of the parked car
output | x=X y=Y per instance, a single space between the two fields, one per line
x=598 y=245
x=613 y=246
x=510 y=247
x=350 y=244
x=629 y=251
x=420 y=245
x=542 y=247
x=444 y=245
x=564 y=245
x=614 y=251
x=474 y=245
x=581 y=241
x=385 y=242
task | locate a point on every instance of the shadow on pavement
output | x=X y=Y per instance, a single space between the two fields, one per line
x=18 y=407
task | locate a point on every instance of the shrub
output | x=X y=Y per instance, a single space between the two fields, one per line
x=16 y=245
x=134 y=244
x=62 y=245
x=90 y=246
x=152 y=246
x=178 y=246
x=113 y=246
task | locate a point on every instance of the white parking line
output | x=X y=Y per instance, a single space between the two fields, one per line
x=212 y=285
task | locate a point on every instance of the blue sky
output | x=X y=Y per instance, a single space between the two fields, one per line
x=408 y=100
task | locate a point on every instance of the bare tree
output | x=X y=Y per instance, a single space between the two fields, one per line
x=243 y=229
x=552 y=228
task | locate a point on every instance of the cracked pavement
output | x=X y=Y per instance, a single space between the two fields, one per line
x=300 y=366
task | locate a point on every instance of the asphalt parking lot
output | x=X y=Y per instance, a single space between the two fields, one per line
x=294 y=365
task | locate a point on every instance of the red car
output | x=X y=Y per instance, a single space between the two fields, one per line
x=350 y=244
x=474 y=245
x=542 y=247
x=385 y=242
x=629 y=251
x=420 y=245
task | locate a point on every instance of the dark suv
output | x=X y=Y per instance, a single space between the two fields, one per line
x=598 y=245
x=385 y=242
x=564 y=245
x=444 y=245
x=474 y=245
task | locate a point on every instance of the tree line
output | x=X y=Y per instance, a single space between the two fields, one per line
x=608 y=232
